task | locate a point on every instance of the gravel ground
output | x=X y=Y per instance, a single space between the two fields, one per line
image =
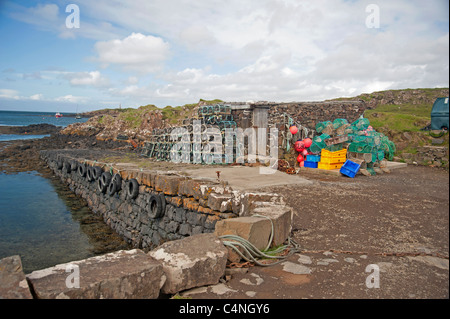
x=346 y=226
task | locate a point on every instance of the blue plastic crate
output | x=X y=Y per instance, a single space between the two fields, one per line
x=313 y=158
x=310 y=164
x=350 y=168
x=354 y=167
x=347 y=172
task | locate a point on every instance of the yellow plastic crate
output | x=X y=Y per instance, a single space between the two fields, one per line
x=333 y=160
x=329 y=166
x=341 y=153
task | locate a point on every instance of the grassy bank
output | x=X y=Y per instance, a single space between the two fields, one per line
x=403 y=123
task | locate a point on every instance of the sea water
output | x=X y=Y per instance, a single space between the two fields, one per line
x=44 y=223
x=20 y=118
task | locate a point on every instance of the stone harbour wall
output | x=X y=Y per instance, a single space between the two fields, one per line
x=166 y=206
x=177 y=248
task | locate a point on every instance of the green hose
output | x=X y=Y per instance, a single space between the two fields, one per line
x=252 y=253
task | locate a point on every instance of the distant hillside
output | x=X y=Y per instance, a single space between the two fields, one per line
x=401 y=115
x=135 y=123
x=419 y=97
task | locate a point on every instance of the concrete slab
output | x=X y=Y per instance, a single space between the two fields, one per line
x=396 y=165
x=247 y=178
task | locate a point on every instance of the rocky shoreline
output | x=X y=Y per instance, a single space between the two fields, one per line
x=33 y=129
x=23 y=155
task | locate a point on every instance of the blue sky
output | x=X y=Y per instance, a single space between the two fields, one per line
x=174 y=52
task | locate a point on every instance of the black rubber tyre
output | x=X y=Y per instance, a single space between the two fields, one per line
x=89 y=174
x=157 y=206
x=100 y=186
x=82 y=170
x=117 y=179
x=96 y=172
x=112 y=188
x=106 y=178
x=103 y=182
x=133 y=188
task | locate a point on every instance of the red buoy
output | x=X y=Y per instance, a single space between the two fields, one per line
x=307 y=142
x=293 y=129
x=299 y=146
x=300 y=158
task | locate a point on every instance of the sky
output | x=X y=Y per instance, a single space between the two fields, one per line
x=83 y=55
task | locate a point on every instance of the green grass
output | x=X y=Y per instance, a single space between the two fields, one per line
x=401 y=118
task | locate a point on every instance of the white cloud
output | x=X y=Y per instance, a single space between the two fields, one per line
x=36 y=97
x=9 y=94
x=280 y=50
x=43 y=15
x=197 y=37
x=137 y=52
x=72 y=99
x=93 y=78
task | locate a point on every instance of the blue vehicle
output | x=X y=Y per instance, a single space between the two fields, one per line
x=439 y=114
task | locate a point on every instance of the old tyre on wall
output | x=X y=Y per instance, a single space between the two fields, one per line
x=117 y=179
x=82 y=170
x=89 y=174
x=133 y=188
x=103 y=182
x=115 y=185
x=96 y=172
x=106 y=178
x=112 y=188
x=157 y=205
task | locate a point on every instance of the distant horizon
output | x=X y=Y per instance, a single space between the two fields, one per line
x=161 y=107
x=46 y=112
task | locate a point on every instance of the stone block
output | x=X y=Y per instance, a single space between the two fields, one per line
x=244 y=204
x=211 y=221
x=190 y=204
x=281 y=217
x=188 y=187
x=202 y=191
x=190 y=262
x=167 y=184
x=13 y=284
x=254 y=229
x=146 y=179
x=176 y=201
x=118 y=275
x=220 y=202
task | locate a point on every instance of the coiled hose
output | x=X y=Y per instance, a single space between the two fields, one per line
x=251 y=253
